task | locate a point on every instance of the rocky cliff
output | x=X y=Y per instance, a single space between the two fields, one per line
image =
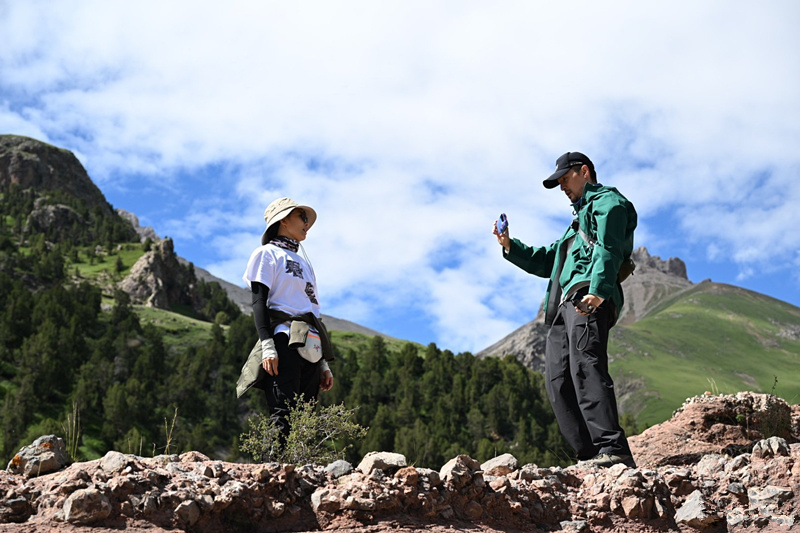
x=159 y=280
x=653 y=280
x=32 y=164
x=711 y=467
x=66 y=204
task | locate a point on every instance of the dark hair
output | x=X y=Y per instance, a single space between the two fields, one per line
x=272 y=231
x=592 y=173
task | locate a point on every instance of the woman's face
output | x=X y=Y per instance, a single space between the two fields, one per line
x=295 y=225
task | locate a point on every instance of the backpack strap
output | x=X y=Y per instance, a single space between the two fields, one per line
x=577 y=227
x=627 y=267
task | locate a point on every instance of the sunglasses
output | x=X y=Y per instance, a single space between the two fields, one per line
x=303 y=216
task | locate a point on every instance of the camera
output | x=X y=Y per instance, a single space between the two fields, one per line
x=577 y=301
x=502 y=223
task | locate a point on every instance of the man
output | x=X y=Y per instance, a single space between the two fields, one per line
x=582 y=303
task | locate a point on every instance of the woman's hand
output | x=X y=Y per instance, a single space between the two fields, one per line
x=326 y=381
x=269 y=357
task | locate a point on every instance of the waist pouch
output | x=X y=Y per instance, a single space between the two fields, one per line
x=306 y=340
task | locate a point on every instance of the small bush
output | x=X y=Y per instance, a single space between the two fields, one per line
x=311 y=438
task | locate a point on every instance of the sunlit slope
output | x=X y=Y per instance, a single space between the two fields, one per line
x=712 y=337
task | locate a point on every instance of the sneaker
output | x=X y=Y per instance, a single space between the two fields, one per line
x=605 y=460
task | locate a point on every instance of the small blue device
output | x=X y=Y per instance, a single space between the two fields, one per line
x=502 y=223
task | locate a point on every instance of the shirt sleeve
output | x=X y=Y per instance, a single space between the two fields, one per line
x=533 y=260
x=260 y=268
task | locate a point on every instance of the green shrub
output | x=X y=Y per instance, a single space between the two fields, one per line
x=312 y=438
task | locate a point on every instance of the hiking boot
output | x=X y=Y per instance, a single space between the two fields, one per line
x=605 y=460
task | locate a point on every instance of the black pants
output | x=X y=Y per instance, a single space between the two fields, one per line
x=296 y=376
x=579 y=386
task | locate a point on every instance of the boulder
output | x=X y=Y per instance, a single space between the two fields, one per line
x=47 y=454
x=385 y=461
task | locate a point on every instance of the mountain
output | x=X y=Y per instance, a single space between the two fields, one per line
x=676 y=339
x=239 y=295
x=32 y=164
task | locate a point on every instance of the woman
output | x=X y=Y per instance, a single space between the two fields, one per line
x=285 y=304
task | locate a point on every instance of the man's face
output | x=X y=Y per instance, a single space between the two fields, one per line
x=572 y=182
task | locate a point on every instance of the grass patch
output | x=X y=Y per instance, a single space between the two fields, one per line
x=712 y=334
x=179 y=330
x=106 y=263
x=360 y=342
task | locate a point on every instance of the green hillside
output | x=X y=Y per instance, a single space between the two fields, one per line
x=713 y=337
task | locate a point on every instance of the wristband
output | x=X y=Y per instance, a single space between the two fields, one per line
x=323 y=365
x=268 y=350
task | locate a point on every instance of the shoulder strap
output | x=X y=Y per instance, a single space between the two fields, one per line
x=626 y=268
x=577 y=227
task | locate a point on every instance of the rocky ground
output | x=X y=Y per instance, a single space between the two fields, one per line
x=722 y=463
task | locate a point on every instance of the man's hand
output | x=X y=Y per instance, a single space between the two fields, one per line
x=269 y=357
x=590 y=302
x=502 y=238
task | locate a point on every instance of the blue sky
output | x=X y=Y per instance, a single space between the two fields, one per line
x=409 y=126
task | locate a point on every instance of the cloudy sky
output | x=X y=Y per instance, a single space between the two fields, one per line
x=409 y=126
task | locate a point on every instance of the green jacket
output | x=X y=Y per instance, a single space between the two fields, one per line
x=607 y=217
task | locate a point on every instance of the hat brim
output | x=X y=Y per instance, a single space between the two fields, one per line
x=280 y=215
x=552 y=181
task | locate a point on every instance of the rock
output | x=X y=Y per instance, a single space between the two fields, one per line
x=47 y=217
x=114 y=462
x=408 y=476
x=326 y=500
x=500 y=466
x=339 y=468
x=386 y=461
x=86 y=507
x=711 y=464
x=193 y=493
x=39 y=166
x=47 y=454
x=460 y=470
x=695 y=512
x=193 y=457
x=769 y=495
x=15 y=509
x=575 y=526
x=188 y=513
x=431 y=475
x=771 y=447
x=157 y=279
x=144 y=232
x=473 y=510
x=709 y=424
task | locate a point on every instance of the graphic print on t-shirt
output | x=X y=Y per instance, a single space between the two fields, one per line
x=294 y=268
x=310 y=293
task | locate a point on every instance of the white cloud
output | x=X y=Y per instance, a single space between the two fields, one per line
x=410 y=126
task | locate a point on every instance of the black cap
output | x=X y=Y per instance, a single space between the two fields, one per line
x=564 y=164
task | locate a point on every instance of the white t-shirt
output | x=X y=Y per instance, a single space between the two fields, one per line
x=290 y=279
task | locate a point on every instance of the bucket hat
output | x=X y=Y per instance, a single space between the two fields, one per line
x=280 y=209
